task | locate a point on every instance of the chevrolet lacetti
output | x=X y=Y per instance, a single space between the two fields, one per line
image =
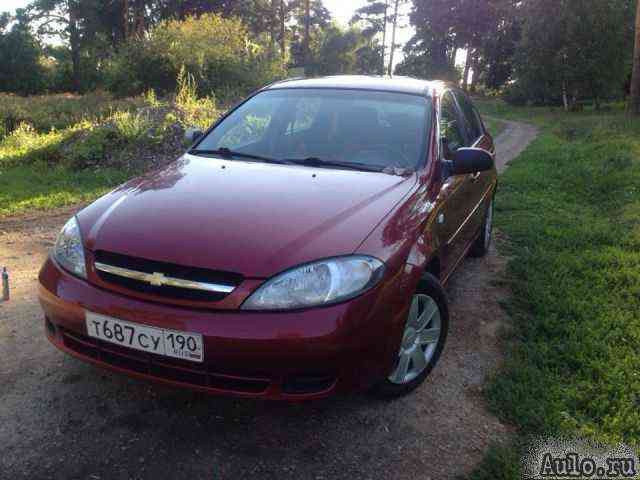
x=298 y=249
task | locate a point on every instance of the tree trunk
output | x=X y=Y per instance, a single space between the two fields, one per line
x=474 y=68
x=393 y=36
x=74 y=44
x=384 y=32
x=273 y=15
x=634 y=101
x=140 y=18
x=307 y=33
x=565 y=100
x=452 y=58
x=467 y=68
x=125 y=19
x=283 y=33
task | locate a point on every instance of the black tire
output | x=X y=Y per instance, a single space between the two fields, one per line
x=430 y=286
x=481 y=245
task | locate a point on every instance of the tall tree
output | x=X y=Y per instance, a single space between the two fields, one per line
x=61 y=18
x=20 y=54
x=373 y=18
x=340 y=51
x=434 y=40
x=307 y=31
x=634 y=101
x=317 y=18
x=572 y=50
x=394 y=27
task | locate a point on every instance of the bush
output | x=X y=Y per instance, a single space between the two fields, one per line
x=47 y=112
x=216 y=51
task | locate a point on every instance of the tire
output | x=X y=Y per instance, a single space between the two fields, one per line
x=428 y=294
x=481 y=245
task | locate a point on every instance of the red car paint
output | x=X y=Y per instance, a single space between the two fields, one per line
x=260 y=219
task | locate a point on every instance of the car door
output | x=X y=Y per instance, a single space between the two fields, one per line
x=455 y=208
x=478 y=183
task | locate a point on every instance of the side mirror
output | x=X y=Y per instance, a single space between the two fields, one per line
x=471 y=160
x=192 y=134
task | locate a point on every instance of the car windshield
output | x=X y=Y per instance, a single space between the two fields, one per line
x=340 y=128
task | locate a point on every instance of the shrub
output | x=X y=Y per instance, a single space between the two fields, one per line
x=216 y=51
x=47 y=112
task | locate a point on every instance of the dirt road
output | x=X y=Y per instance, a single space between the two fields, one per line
x=62 y=419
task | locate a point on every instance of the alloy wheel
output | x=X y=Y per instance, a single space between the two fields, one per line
x=419 y=341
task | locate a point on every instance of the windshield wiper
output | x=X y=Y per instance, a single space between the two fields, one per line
x=322 y=163
x=228 y=153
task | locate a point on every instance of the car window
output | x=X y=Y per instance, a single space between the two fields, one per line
x=472 y=120
x=379 y=129
x=451 y=131
x=249 y=125
x=306 y=111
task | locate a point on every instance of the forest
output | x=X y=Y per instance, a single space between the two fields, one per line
x=538 y=52
x=96 y=92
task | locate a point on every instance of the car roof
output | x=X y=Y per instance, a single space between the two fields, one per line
x=399 y=84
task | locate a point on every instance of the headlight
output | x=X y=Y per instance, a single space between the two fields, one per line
x=68 y=251
x=317 y=283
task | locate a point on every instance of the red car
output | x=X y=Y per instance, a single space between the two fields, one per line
x=297 y=249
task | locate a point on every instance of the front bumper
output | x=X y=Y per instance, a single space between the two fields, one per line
x=297 y=355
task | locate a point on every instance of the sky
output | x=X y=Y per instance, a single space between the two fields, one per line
x=342 y=10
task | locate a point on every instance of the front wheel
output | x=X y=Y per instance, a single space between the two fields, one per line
x=423 y=339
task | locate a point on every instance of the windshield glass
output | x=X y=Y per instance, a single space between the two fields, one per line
x=376 y=129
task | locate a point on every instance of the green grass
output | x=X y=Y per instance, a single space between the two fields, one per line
x=46 y=112
x=64 y=149
x=570 y=206
x=494 y=125
x=26 y=188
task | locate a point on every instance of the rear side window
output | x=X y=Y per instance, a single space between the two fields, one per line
x=471 y=117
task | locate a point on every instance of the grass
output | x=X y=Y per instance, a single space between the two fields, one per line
x=25 y=188
x=46 y=112
x=570 y=206
x=494 y=125
x=63 y=149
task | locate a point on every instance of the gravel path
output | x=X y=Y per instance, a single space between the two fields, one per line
x=512 y=141
x=62 y=419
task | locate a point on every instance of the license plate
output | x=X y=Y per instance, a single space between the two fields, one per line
x=169 y=343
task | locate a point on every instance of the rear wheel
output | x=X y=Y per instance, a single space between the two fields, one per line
x=481 y=246
x=423 y=339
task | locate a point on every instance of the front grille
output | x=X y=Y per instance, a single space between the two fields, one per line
x=194 y=274
x=164 y=368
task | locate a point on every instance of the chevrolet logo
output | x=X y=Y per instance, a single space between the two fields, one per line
x=157 y=279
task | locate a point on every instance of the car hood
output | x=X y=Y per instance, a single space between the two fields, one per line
x=252 y=218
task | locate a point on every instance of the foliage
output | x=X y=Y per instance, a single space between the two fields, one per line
x=578 y=50
x=196 y=111
x=216 y=51
x=570 y=207
x=374 y=15
x=47 y=112
x=319 y=19
x=62 y=149
x=21 y=70
x=338 y=51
